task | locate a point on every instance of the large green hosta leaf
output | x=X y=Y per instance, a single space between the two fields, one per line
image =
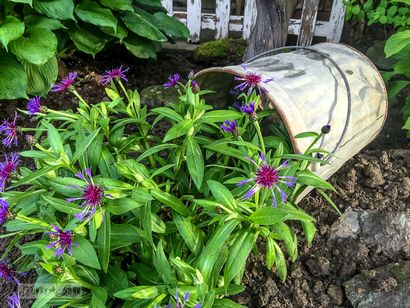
x=29 y=2
x=11 y=29
x=141 y=47
x=38 y=21
x=37 y=46
x=170 y=26
x=120 y=5
x=57 y=9
x=94 y=14
x=88 y=39
x=41 y=77
x=141 y=26
x=13 y=81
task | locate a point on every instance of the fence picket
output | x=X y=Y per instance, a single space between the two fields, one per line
x=168 y=5
x=308 y=22
x=223 y=11
x=249 y=18
x=336 y=21
x=194 y=19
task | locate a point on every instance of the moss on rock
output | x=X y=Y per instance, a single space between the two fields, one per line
x=224 y=48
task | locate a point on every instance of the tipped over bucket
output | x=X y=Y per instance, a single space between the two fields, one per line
x=326 y=84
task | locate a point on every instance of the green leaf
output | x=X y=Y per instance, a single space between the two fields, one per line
x=54 y=139
x=123 y=205
x=156 y=149
x=309 y=230
x=41 y=77
x=57 y=9
x=280 y=262
x=119 y=5
x=190 y=233
x=11 y=29
x=238 y=254
x=115 y=279
x=121 y=32
x=396 y=43
x=13 y=80
x=289 y=237
x=163 y=266
x=85 y=253
x=210 y=253
x=142 y=47
x=98 y=297
x=170 y=25
x=141 y=26
x=396 y=87
x=168 y=113
x=123 y=235
x=140 y=292
x=222 y=194
x=37 y=46
x=38 y=21
x=61 y=205
x=179 y=130
x=93 y=13
x=171 y=201
x=220 y=116
x=268 y=216
x=226 y=303
x=270 y=252
x=307 y=135
x=29 y=2
x=32 y=176
x=104 y=242
x=83 y=145
x=195 y=161
x=88 y=39
x=307 y=177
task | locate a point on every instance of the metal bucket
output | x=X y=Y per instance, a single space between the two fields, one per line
x=325 y=84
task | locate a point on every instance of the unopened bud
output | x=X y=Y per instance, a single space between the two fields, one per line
x=191 y=75
x=31 y=140
x=326 y=129
x=59 y=270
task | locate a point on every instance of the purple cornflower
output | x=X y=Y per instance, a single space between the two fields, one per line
x=8 y=273
x=114 y=73
x=92 y=196
x=9 y=130
x=195 y=86
x=172 y=81
x=62 y=240
x=230 y=126
x=65 y=83
x=7 y=168
x=14 y=300
x=34 y=105
x=267 y=176
x=5 y=213
x=252 y=80
x=250 y=110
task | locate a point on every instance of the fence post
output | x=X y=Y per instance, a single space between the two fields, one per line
x=249 y=18
x=308 y=22
x=336 y=21
x=194 y=19
x=168 y=5
x=223 y=12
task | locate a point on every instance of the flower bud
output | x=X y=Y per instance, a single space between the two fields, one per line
x=326 y=129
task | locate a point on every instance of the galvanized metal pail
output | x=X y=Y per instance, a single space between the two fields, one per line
x=325 y=84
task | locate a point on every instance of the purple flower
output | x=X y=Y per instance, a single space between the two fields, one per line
x=267 y=176
x=8 y=273
x=250 y=110
x=14 y=300
x=195 y=86
x=230 y=126
x=62 y=240
x=34 y=105
x=4 y=211
x=7 y=168
x=9 y=130
x=65 y=83
x=114 y=73
x=172 y=81
x=92 y=196
x=252 y=80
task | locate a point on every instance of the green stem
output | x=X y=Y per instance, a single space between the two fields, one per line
x=80 y=98
x=258 y=130
x=123 y=89
x=65 y=114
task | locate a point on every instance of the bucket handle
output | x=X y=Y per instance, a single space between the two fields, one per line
x=338 y=68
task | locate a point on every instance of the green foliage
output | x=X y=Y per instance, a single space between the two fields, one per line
x=172 y=218
x=397 y=47
x=34 y=33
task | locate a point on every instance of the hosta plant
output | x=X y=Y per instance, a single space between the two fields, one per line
x=149 y=208
x=33 y=33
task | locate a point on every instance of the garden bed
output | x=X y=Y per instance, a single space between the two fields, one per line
x=378 y=179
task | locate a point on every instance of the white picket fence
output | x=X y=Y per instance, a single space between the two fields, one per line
x=222 y=22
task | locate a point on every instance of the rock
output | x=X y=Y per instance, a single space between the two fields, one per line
x=319 y=266
x=157 y=96
x=374 y=176
x=348 y=225
x=386 y=286
x=336 y=294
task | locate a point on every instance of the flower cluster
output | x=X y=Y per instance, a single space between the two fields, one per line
x=172 y=81
x=8 y=273
x=5 y=213
x=7 y=168
x=181 y=304
x=9 y=129
x=114 y=73
x=65 y=83
x=252 y=80
x=62 y=241
x=14 y=301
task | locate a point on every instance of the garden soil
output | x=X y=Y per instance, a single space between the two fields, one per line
x=377 y=179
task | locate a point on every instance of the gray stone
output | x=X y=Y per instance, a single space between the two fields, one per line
x=388 y=232
x=386 y=286
x=158 y=96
